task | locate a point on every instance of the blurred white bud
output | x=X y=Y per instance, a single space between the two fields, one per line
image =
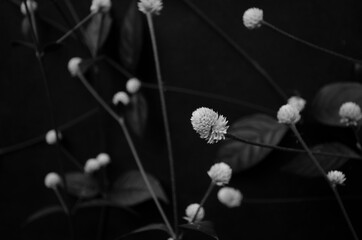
x=73 y=66
x=52 y=180
x=121 y=97
x=133 y=85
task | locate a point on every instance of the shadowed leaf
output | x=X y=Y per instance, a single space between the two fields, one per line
x=44 y=212
x=205 y=227
x=16 y=43
x=151 y=227
x=302 y=165
x=81 y=185
x=97 y=31
x=258 y=128
x=136 y=114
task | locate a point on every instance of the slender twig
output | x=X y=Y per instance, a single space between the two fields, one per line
x=203 y=200
x=322 y=49
x=323 y=173
x=71 y=157
x=238 y=49
x=61 y=201
x=74 y=14
x=124 y=128
x=165 y=119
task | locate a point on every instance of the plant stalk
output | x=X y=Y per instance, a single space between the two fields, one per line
x=203 y=200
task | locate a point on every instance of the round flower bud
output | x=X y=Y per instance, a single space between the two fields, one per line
x=336 y=177
x=73 y=66
x=288 y=114
x=350 y=113
x=52 y=180
x=103 y=159
x=101 y=6
x=220 y=173
x=209 y=124
x=32 y=6
x=51 y=137
x=91 y=166
x=150 y=6
x=297 y=102
x=191 y=212
x=133 y=85
x=121 y=97
x=253 y=18
x=230 y=197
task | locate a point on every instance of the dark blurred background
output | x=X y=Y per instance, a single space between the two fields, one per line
x=277 y=205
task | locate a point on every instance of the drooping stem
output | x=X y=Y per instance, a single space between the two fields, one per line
x=165 y=119
x=323 y=173
x=302 y=41
x=203 y=200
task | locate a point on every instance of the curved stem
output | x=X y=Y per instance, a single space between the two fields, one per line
x=322 y=49
x=203 y=200
x=165 y=120
x=323 y=173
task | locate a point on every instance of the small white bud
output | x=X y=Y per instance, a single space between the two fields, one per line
x=91 y=166
x=133 y=85
x=52 y=180
x=288 y=114
x=101 y=6
x=121 y=97
x=51 y=137
x=191 y=212
x=150 y=6
x=73 y=66
x=336 y=177
x=350 y=113
x=32 y=6
x=230 y=197
x=297 y=102
x=253 y=18
x=220 y=173
x=103 y=159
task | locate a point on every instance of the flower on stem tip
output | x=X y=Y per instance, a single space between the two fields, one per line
x=230 y=197
x=350 y=113
x=53 y=180
x=288 y=114
x=220 y=173
x=336 y=177
x=209 y=124
x=32 y=6
x=121 y=97
x=92 y=165
x=191 y=212
x=103 y=159
x=253 y=18
x=101 y=6
x=150 y=6
x=297 y=102
x=51 y=137
x=73 y=66
x=133 y=85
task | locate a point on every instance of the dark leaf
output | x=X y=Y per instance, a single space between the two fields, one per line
x=86 y=64
x=130 y=189
x=259 y=128
x=81 y=185
x=131 y=37
x=16 y=43
x=205 y=227
x=136 y=114
x=102 y=203
x=329 y=99
x=302 y=165
x=51 y=47
x=25 y=26
x=97 y=31
x=44 y=212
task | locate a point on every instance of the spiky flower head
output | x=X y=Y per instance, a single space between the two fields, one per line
x=92 y=165
x=73 y=66
x=297 y=102
x=103 y=159
x=52 y=180
x=51 y=137
x=191 y=211
x=150 y=6
x=336 y=177
x=220 y=173
x=209 y=124
x=253 y=18
x=350 y=113
x=101 y=6
x=230 y=197
x=288 y=114
x=32 y=6
x=133 y=85
x=121 y=97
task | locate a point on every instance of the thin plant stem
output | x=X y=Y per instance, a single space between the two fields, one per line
x=322 y=49
x=71 y=157
x=165 y=119
x=323 y=173
x=78 y=25
x=134 y=152
x=238 y=49
x=203 y=200
x=61 y=201
x=355 y=130
x=74 y=14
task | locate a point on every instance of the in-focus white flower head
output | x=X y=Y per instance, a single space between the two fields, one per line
x=253 y=18
x=32 y=6
x=52 y=180
x=288 y=114
x=133 y=85
x=121 y=97
x=191 y=212
x=101 y=6
x=51 y=137
x=220 y=173
x=230 y=197
x=73 y=66
x=103 y=159
x=336 y=177
x=150 y=6
x=297 y=102
x=92 y=165
x=350 y=113
x=209 y=124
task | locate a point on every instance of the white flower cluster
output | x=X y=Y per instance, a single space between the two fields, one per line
x=220 y=173
x=150 y=6
x=94 y=164
x=350 y=113
x=53 y=180
x=336 y=177
x=288 y=114
x=191 y=212
x=230 y=197
x=253 y=18
x=101 y=6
